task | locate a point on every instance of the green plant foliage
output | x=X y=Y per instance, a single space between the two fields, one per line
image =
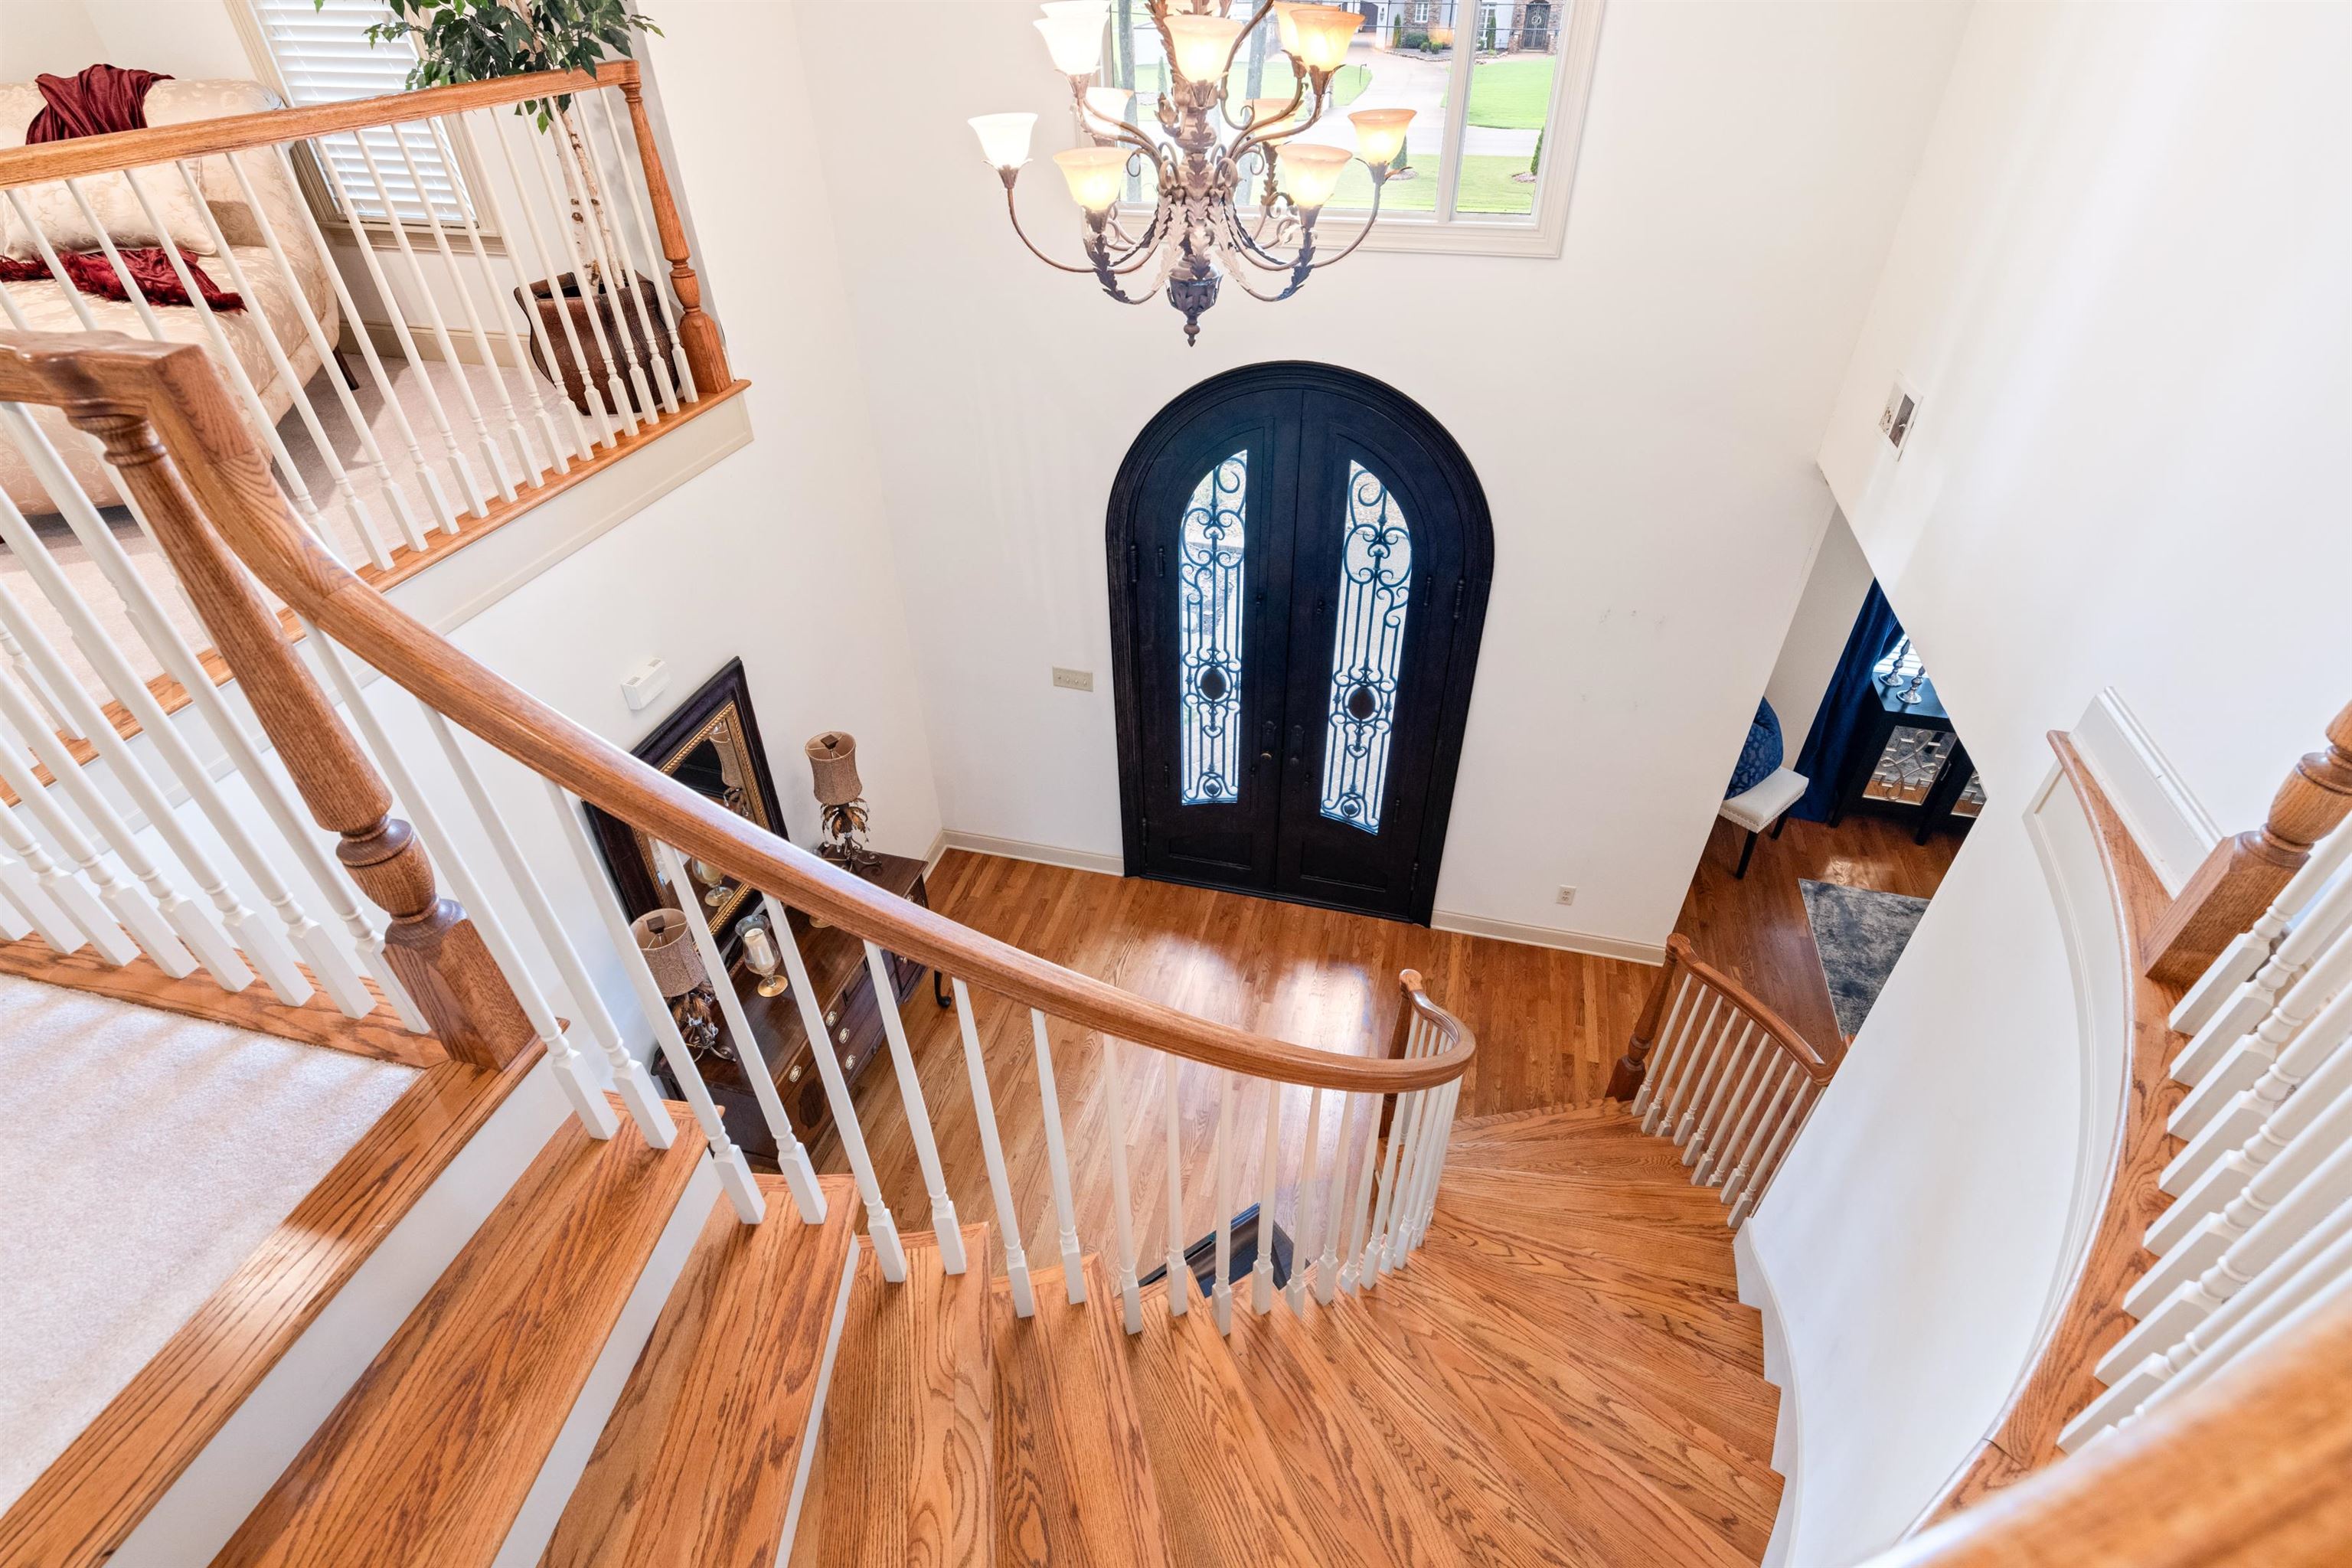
x=479 y=40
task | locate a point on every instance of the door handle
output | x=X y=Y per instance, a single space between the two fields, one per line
x=1297 y=742
x=1269 y=733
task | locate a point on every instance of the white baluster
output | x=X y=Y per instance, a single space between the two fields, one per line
x=1335 y=1197
x=2313 y=936
x=1662 y=1052
x=12 y=923
x=1688 y=1047
x=530 y=465
x=616 y=393
x=734 y=1172
x=1740 y=1150
x=2309 y=1048
x=1221 y=1291
x=363 y=524
x=2272 y=1304
x=262 y=943
x=1303 y=1237
x=1268 y=1185
x=2227 y=1176
x=645 y=236
x=630 y=1079
x=1721 y=1056
x=605 y=419
x=2237 y=964
x=2131 y=1389
x=580 y=440
x=889 y=1254
x=397 y=318
x=1180 y=1278
x=148 y=929
x=992 y=1150
x=445 y=341
x=412 y=529
x=945 y=1227
x=1122 y=1203
x=1702 y=1152
x=1057 y=1160
x=1376 y=1260
x=59 y=907
x=614 y=245
x=1359 y=1247
x=1767 y=1164
x=2327 y=972
x=619 y=281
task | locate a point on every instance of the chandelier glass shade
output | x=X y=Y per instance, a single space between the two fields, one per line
x=1237 y=192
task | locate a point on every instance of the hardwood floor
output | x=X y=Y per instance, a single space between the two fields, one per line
x=1755 y=928
x=1550 y=1022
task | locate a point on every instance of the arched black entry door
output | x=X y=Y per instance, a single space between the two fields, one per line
x=1299 y=558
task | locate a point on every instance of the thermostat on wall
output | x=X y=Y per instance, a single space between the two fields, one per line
x=645 y=685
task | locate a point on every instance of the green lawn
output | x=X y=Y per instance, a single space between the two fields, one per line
x=1511 y=95
x=1487 y=187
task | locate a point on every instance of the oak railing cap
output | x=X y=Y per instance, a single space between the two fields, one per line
x=1782 y=1033
x=42 y=161
x=202 y=444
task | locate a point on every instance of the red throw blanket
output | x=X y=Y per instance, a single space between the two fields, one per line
x=100 y=99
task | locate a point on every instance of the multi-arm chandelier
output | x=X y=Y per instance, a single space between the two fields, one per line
x=1209 y=153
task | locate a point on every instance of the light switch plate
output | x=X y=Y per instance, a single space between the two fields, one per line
x=642 y=687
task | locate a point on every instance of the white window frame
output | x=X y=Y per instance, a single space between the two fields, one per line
x=255 y=35
x=1544 y=234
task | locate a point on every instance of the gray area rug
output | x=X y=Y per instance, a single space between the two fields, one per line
x=1859 y=934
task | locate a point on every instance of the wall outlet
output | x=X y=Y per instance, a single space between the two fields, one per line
x=1074 y=680
x=1567 y=895
x=642 y=687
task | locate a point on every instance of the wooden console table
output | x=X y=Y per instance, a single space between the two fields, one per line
x=836 y=967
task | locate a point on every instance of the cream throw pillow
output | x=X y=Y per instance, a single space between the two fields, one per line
x=110 y=197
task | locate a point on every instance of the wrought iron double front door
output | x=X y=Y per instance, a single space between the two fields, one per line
x=1299 y=565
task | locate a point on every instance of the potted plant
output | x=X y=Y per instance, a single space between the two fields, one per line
x=476 y=40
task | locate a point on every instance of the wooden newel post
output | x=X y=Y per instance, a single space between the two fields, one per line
x=2247 y=870
x=1408 y=982
x=706 y=356
x=1625 y=1078
x=432 y=947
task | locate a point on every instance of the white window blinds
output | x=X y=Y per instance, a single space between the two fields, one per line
x=323 y=56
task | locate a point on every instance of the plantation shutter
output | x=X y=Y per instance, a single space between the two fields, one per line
x=323 y=56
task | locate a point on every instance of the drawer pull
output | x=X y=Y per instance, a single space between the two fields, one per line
x=845 y=1037
x=834 y=1016
x=794 y=1075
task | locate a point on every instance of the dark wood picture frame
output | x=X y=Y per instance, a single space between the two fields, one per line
x=1447 y=472
x=718 y=715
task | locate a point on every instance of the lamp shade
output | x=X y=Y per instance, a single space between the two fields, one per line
x=1324 y=32
x=1095 y=173
x=833 y=768
x=1268 y=113
x=1108 y=104
x=667 y=943
x=1004 y=138
x=1310 y=171
x=1075 y=42
x=1285 y=30
x=1202 y=44
x=1380 y=134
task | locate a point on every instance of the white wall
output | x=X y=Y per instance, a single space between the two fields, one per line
x=1642 y=416
x=2121 y=290
x=1834 y=589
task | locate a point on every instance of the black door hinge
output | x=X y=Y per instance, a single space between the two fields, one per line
x=1461 y=594
x=1146 y=825
x=1163 y=560
x=1130 y=563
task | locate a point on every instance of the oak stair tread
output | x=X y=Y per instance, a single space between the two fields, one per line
x=904 y=1469
x=431 y=1455
x=1073 y=1467
x=697 y=1460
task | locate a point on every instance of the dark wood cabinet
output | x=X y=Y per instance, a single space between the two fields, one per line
x=853 y=1022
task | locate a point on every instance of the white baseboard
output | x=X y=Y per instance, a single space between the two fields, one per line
x=1756 y=1291
x=1549 y=936
x=1022 y=849
x=2171 y=826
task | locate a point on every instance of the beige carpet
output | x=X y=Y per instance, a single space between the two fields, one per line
x=144 y=1155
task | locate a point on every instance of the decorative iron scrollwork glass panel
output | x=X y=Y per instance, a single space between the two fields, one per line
x=1367 y=649
x=1208 y=632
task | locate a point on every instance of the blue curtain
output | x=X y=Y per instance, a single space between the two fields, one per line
x=1829 y=745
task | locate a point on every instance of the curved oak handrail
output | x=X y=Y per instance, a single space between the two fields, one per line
x=1782 y=1033
x=224 y=497
x=164 y=144
x=1457 y=1034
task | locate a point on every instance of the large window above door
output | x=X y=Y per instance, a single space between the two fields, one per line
x=1498 y=88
